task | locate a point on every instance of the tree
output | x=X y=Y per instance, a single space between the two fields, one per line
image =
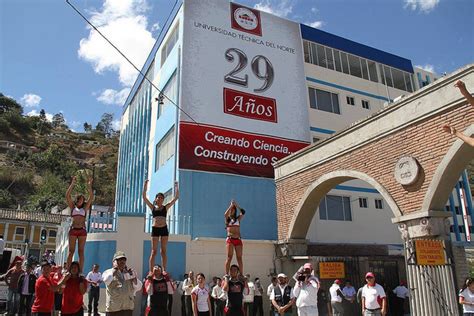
x=50 y=193
x=43 y=126
x=43 y=115
x=8 y=104
x=87 y=127
x=59 y=121
x=105 y=124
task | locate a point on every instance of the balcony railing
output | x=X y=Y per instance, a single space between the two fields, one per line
x=177 y=224
x=102 y=223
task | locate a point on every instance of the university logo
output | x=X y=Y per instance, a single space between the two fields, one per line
x=245 y=19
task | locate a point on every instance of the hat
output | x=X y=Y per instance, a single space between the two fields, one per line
x=308 y=266
x=369 y=275
x=281 y=275
x=337 y=281
x=119 y=254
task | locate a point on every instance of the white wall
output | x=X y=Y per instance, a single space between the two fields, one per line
x=368 y=225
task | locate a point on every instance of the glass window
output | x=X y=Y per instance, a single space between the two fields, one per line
x=365 y=104
x=322 y=209
x=408 y=82
x=347 y=208
x=335 y=207
x=323 y=99
x=312 y=98
x=329 y=58
x=337 y=60
x=388 y=76
x=363 y=202
x=20 y=230
x=398 y=80
x=164 y=149
x=378 y=204
x=365 y=72
x=171 y=91
x=335 y=103
x=321 y=56
x=350 y=100
x=382 y=74
x=345 y=63
x=52 y=233
x=306 y=48
x=169 y=45
x=314 y=54
x=354 y=65
x=372 y=71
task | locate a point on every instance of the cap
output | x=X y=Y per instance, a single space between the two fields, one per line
x=337 y=281
x=281 y=275
x=119 y=254
x=45 y=263
x=369 y=275
x=308 y=266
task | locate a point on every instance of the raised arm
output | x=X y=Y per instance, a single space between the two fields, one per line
x=69 y=201
x=242 y=211
x=176 y=196
x=91 y=193
x=229 y=209
x=452 y=130
x=147 y=201
x=462 y=88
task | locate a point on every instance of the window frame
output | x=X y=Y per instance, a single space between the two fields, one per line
x=351 y=99
x=22 y=235
x=367 y=102
x=381 y=204
x=342 y=198
x=333 y=96
x=158 y=146
x=365 y=200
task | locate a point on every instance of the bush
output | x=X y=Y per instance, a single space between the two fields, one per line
x=6 y=199
x=51 y=192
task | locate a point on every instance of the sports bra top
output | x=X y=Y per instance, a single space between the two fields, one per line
x=233 y=222
x=159 y=212
x=78 y=212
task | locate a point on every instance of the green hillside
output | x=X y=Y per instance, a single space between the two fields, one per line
x=38 y=157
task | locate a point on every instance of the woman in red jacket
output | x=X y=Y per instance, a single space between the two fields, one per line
x=73 y=293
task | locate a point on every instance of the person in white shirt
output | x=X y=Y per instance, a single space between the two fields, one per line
x=94 y=278
x=336 y=298
x=200 y=297
x=269 y=292
x=466 y=297
x=282 y=297
x=401 y=294
x=306 y=292
x=350 y=308
x=249 y=297
x=220 y=297
x=188 y=286
x=374 y=301
x=171 y=285
x=258 y=299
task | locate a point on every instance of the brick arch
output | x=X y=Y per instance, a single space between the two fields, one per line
x=447 y=173
x=306 y=209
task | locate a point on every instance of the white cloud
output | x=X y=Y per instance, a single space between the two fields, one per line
x=281 y=8
x=116 y=125
x=49 y=116
x=424 y=6
x=155 y=27
x=125 y=25
x=111 y=96
x=30 y=100
x=316 y=24
x=75 y=124
x=427 y=67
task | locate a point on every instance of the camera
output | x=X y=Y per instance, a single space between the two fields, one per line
x=301 y=277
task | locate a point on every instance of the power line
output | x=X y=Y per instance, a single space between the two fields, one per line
x=128 y=60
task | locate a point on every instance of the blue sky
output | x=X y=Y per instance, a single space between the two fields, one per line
x=50 y=59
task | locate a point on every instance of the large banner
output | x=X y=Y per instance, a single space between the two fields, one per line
x=243 y=85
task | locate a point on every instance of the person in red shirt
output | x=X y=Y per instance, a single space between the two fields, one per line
x=73 y=293
x=44 y=292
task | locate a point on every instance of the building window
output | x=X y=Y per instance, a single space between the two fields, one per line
x=315 y=139
x=335 y=208
x=52 y=233
x=363 y=202
x=365 y=104
x=171 y=91
x=378 y=204
x=451 y=229
x=324 y=100
x=461 y=229
x=164 y=149
x=19 y=233
x=350 y=100
x=457 y=210
x=169 y=45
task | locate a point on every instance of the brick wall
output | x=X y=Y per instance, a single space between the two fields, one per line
x=424 y=140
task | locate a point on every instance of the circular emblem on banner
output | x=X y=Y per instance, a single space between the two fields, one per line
x=407 y=170
x=246 y=19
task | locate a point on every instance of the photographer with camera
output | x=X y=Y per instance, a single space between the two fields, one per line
x=306 y=291
x=121 y=286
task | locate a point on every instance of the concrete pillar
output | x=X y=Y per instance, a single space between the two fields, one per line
x=432 y=287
